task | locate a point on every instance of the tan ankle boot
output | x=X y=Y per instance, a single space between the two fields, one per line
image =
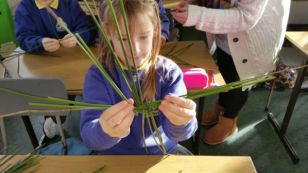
x=221 y=131
x=209 y=118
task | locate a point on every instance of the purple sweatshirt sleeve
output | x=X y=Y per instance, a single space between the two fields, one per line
x=90 y=129
x=165 y=22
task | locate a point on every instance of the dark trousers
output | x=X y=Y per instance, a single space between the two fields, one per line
x=234 y=100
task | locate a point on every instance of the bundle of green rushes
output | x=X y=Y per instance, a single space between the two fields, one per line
x=146 y=109
x=29 y=161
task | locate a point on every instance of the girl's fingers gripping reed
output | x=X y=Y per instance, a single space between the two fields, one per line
x=178 y=110
x=182 y=102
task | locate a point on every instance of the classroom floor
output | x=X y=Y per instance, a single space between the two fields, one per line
x=256 y=137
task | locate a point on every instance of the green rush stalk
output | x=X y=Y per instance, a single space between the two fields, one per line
x=117 y=27
x=29 y=161
x=88 y=51
x=107 y=41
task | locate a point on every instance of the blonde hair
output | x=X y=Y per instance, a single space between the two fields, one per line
x=132 y=9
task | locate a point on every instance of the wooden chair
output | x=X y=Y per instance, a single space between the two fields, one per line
x=11 y=103
x=2 y=70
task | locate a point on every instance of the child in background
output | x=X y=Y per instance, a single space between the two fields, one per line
x=37 y=31
x=248 y=35
x=117 y=130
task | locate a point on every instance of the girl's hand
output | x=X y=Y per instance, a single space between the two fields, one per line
x=179 y=111
x=117 y=119
x=50 y=44
x=180 y=13
x=68 y=41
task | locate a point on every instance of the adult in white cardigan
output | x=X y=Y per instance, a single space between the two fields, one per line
x=248 y=35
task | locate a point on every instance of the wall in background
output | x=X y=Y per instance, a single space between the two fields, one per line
x=299 y=12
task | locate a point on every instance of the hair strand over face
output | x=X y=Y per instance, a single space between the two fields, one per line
x=133 y=8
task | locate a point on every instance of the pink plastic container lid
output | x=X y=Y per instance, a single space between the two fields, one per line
x=195 y=78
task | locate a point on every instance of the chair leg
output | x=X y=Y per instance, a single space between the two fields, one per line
x=61 y=134
x=4 y=139
x=2 y=70
x=31 y=133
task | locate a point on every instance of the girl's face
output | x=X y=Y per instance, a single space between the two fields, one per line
x=45 y=2
x=142 y=32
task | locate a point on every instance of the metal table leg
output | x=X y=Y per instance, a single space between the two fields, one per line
x=196 y=138
x=281 y=131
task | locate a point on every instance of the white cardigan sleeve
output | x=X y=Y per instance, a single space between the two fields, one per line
x=244 y=15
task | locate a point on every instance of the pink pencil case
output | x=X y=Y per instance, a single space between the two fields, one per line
x=195 y=78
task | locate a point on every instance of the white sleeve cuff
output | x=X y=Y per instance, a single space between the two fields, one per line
x=194 y=13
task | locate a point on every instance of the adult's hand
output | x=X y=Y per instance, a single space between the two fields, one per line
x=180 y=12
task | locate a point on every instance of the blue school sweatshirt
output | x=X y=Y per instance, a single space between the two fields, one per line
x=165 y=22
x=169 y=81
x=33 y=24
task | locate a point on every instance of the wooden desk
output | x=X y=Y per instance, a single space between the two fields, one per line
x=170 y=4
x=194 y=54
x=149 y=164
x=300 y=42
x=72 y=64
